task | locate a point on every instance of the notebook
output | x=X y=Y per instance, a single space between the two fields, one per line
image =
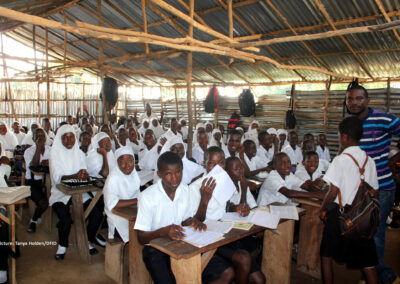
x=201 y=239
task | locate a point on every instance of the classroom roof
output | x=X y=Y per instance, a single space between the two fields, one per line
x=371 y=55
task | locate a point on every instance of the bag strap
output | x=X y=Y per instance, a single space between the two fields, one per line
x=362 y=170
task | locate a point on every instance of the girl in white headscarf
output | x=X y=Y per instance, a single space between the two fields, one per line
x=121 y=189
x=283 y=139
x=199 y=126
x=184 y=128
x=67 y=161
x=133 y=141
x=148 y=157
x=209 y=129
x=100 y=160
x=252 y=132
x=216 y=139
x=122 y=136
x=28 y=139
x=190 y=169
x=5 y=169
x=8 y=140
x=156 y=127
x=144 y=127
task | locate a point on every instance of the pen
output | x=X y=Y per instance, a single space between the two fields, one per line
x=180 y=232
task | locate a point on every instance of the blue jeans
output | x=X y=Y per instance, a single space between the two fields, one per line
x=385 y=273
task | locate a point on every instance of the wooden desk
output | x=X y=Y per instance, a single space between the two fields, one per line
x=137 y=269
x=188 y=261
x=10 y=220
x=47 y=216
x=310 y=237
x=79 y=215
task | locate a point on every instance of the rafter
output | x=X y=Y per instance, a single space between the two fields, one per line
x=387 y=18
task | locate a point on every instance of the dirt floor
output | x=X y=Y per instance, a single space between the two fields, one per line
x=38 y=266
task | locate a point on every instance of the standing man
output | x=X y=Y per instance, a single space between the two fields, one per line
x=378 y=129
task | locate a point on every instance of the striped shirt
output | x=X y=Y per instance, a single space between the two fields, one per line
x=379 y=127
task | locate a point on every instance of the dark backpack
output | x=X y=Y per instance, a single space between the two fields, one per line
x=110 y=90
x=211 y=102
x=361 y=221
x=290 y=118
x=246 y=103
x=234 y=121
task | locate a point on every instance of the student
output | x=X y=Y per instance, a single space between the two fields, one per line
x=89 y=129
x=145 y=125
x=35 y=156
x=233 y=144
x=252 y=164
x=322 y=149
x=223 y=134
x=122 y=136
x=5 y=169
x=184 y=128
x=100 y=160
x=121 y=190
x=85 y=141
x=173 y=130
x=162 y=209
x=216 y=139
x=272 y=131
x=308 y=169
x=252 y=132
x=281 y=184
x=148 y=114
x=92 y=122
x=344 y=176
x=199 y=127
x=308 y=136
x=156 y=127
x=114 y=141
x=198 y=150
x=149 y=155
x=282 y=136
x=7 y=138
x=309 y=146
x=292 y=150
x=47 y=127
x=133 y=141
x=18 y=133
x=209 y=129
x=67 y=162
x=266 y=150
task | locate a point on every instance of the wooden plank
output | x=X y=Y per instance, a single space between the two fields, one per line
x=189 y=68
x=138 y=273
x=80 y=227
x=187 y=270
x=206 y=257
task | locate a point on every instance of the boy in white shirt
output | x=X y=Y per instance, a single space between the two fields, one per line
x=281 y=184
x=266 y=150
x=253 y=164
x=309 y=170
x=322 y=149
x=233 y=144
x=343 y=175
x=292 y=150
x=160 y=207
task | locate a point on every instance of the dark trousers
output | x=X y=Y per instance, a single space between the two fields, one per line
x=159 y=265
x=64 y=220
x=39 y=197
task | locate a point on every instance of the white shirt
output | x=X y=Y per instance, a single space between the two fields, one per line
x=256 y=163
x=198 y=154
x=157 y=210
x=143 y=116
x=227 y=154
x=185 y=131
x=169 y=134
x=296 y=157
x=20 y=137
x=266 y=155
x=5 y=170
x=235 y=199
x=344 y=174
x=323 y=154
x=302 y=173
x=269 y=192
x=28 y=156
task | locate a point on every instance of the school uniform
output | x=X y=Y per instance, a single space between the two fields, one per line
x=170 y=134
x=266 y=155
x=148 y=164
x=302 y=173
x=185 y=131
x=296 y=157
x=344 y=174
x=135 y=147
x=256 y=163
x=323 y=153
x=198 y=154
x=5 y=172
x=269 y=191
x=228 y=154
x=94 y=160
x=119 y=186
x=157 y=210
x=20 y=137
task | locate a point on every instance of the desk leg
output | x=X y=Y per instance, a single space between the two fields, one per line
x=187 y=270
x=138 y=273
x=310 y=237
x=277 y=253
x=48 y=214
x=13 y=240
x=80 y=227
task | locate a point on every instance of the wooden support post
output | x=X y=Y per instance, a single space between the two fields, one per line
x=47 y=73
x=294 y=101
x=105 y=104
x=65 y=60
x=161 y=100
x=36 y=68
x=388 y=95
x=126 y=102
x=189 y=85
x=327 y=87
x=176 y=103
x=195 y=105
x=145 y=23
x=7 y=85
x=230 y=20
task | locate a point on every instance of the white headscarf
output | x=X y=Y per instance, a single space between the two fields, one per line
x=94 y=160
x=127 y=134
x=214 y=142
x=272 y=131
x=198 y=125
x=9 y=140
x=158 y=131
x=252 y=134
x=64 y=162
x=283 y=131
x=142 y=129
x=5 y=170
x=120 y=186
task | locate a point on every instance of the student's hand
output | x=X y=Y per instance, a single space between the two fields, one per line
x=198 y=225
x=40 y=143
x=5 y=160
x=79 y=110
x=243 y=209
x=82 y=174
x=207 y=189
x=163 y=140
x=175 y=232
x=275 y=141
x=268 y=169
x=85 y=107
x=102 y=151
x=319 y=182
x=45 y=163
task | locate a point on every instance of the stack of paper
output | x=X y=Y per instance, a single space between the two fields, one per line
x=9 y=195
x=201 y=239
x=285 y=212
x=235 y=217
x=224 y=187
x=218 y=226
x=265 y=219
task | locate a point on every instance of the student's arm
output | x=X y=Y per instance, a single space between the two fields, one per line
x=329 y=198
x=311 y=186
x=289 y=193
x=40 y=147
x=206 y=191
x=174 y=232
x=104 y=168
x=161 y=118
x=125 y=203
x=135 y=120
x=162 y=142
x=81 y=175
x=196 y=224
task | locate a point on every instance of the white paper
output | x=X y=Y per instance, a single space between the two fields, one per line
x=235 y=217
x=218 y=226
x=285 y=212
x=265 y=219
x=224 y=187
x=201 y=239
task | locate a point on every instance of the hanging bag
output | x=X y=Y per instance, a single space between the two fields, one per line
x=211 y=102
x=361 y=221
x=290 y=117
x=246 y=103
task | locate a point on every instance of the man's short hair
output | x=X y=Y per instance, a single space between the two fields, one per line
x=277 y=158
x=310 y=154
x=168 y=158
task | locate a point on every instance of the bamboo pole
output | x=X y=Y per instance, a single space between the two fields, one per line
x=230 y=21
x=189 y=84
x=327 y=87
x=195 y=106
x=34 y=56
x=176 y=103
x=7 y=84
x=145 y=23
x=388 y=95
x=47 y=70
x=105 y=104
x=65 y=59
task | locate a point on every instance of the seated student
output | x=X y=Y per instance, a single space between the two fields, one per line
x=322 y=149
x=233 y=144
x=266 y=150
x=67 y=162
x=209 y=129
x=47 y=127
x=191 y=170
x=308 y=169
x=121 y=190
x=114 y=141
x=184 y=128
x=89 y=129
x=308 y=146
x=28 y=139
x=199 y=127
x=241 y=131
x=343 y=176
x=252 y=132
x=308 y=136
x=156 y=127
x=100 y=160
x=198 y=150
x=162 y=209
x=216 y=139
x=122 y=136
x=85 y=141
x=283 y=139
x=281 y=184
x=148 y=155
x=252 y=164
x=18 y=133
x=133 y=141
x=5 y=169
x=92 y=122
x=37 y=155
x=223 y=134
x=173 y=130
x=292 y=150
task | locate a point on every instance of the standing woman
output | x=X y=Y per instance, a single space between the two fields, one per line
x=68 y=162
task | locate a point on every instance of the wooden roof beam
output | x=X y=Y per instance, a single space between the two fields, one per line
x=387 y=18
